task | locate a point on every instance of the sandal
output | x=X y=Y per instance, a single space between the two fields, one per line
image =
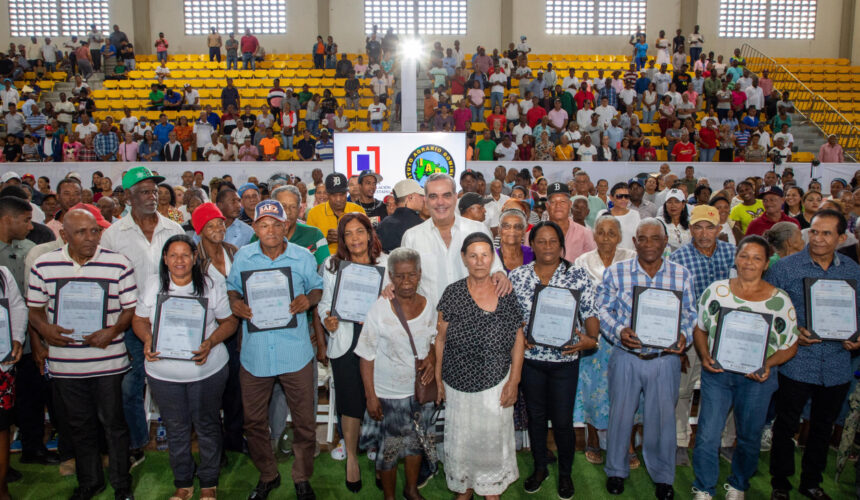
x=183 y=493
x=634 y=461
x=593 y=456
x=209 y=493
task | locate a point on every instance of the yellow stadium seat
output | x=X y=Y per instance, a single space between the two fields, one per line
x=212 y=65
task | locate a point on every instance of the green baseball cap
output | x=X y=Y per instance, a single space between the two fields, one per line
x=138 y=174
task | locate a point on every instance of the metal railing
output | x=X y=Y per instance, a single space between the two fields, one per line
x=817 y=110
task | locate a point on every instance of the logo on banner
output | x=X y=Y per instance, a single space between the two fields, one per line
x=427 y=160
x=361 y=158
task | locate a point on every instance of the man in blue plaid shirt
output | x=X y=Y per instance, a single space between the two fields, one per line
x=708 y=260
x=106 y=144
x=634 y=369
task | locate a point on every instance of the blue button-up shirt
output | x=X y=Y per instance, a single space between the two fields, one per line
x=615 y=297
x=162 y=132
x=824 y=363
x=286 y=350
x=238 y=234
x=705 y=270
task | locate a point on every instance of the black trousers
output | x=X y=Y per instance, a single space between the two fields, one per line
x=550 y=393
x=88 y=402
x=32 y=393
x=96 y=54
x=790 y=399
x=231 y=401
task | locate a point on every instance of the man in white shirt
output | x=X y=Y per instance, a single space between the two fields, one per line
x=498 y=81
x=662 y=80
x=520 y=129
x=780 y=150
x=583 y=116
x=215 y=150
x=506 y=150
x=65 y=110
x=376 y=114
x=495 y=202
x=440 y=237
x=627 y=96
x=785 y=135
x=512 y=110
x=128 y=122
x=8 y=95
x=86 y=127
x=238 y=135
x=605 y=112
x=523 y=47
x=49 y=54
x=570 y=83
x=202 y=132
x=755 y=95
x=744 y=81
x=550 y=76
x=191 y=98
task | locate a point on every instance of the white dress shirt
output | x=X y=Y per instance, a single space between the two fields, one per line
x=126 y=237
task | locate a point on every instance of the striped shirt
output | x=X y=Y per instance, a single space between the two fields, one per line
x=615 y=297
x=325 y=150
x=80 y=360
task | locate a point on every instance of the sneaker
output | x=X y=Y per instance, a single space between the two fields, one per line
x=136 y=457
x=682 y=458
x=339 y=453
x=565 y=488
x=701 y=495
x=766 y=438
x=533 y=482
x=727 y=453
x=732 y=493
x=425 y=475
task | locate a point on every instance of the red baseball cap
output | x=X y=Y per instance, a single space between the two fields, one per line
x=100 y=220
x=203 y=214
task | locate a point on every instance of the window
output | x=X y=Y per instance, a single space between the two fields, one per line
x=262 y=17
x=767 y=18
x=594 y=17
x=42 y=17
x=425 y=17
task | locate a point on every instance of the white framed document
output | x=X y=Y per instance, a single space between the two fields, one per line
x=5 y=331
x=180 y=326
x=356 y=288
x=740 y=344
x=81 y=306
x=831 y=309
x=656 y=317
x=552 y=322
x=269 y=293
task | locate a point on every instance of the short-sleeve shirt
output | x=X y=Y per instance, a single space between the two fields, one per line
x=478 y=343
x=323 y=218
x=783 y=328
x=525 y=281
x=270 y=145
x=744 y=214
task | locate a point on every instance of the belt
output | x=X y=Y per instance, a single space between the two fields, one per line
x=650 y=356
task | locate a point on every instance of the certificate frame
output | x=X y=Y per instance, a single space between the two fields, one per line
x=286 y=271
x=341 y=266
x=570 y=341
x=4 y=304
x=58 y=290
x=717 y=338
x=159 y=301
x=639 y=290
x=807 y=298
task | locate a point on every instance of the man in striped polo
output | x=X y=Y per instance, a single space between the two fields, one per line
x=88 y=373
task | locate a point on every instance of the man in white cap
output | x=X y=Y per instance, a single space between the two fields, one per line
x=409 y=198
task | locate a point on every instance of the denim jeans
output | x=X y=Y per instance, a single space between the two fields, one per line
x=248 y=59
x=314 y=126
x=215 y=54
x=197 y=404
x=376 y=127
x=647 y=116
x=750 y=399
x=232 y=61
x=477 y=113
x=161 y=56
x=707 y=154
x=497 y=98
x=695 y=52
x=133 y=385
x=129 y=64
x=287 y=141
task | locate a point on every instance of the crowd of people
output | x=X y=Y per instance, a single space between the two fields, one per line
x=461 y=274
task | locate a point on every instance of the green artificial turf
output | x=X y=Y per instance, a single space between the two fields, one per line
x=154 y=480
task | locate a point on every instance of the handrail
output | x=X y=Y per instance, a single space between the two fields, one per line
x=817 y=110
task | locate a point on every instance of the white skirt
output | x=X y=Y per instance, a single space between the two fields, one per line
x=480 y=450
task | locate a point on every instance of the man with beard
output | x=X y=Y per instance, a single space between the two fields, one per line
x=375 y=209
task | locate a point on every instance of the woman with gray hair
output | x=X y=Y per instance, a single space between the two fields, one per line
x=512 y=229
x=785 y=238
x=593 y=388
x=387 y=365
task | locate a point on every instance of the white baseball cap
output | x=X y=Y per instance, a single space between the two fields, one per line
x=8 y=176
x=676 y=194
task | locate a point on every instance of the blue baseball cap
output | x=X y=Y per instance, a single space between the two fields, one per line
x=269 y=208
x=247 y=186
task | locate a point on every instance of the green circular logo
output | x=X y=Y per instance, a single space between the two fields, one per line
x=427 y=160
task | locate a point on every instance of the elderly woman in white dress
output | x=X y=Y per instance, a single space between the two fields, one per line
x=593 y=388
x=479 y=353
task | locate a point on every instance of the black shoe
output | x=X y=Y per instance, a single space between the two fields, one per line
x=565 y=488
x=814 y=493
x=424 y=476
x=304 y=491
x=779 y=495
x=664 y=491
x=41 y=457
x=123 y=495
x=13 y=475
x=86 y=493
x=532 y=484
x=615 y=485
x=379 y=483
x=261 y=492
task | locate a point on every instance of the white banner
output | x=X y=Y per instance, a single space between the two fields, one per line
x=400 y=155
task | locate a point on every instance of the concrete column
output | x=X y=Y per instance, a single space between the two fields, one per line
x=507 y=33
x=323 y=16
x=142 y=32
x=408 y=95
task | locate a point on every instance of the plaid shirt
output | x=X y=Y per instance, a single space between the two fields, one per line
x=86 y=153
x=615 y=297
x=705 y=270
x=106 y=144
x=609 y=93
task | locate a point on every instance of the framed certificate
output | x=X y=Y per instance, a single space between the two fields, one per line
x=656 y=317
x=180 y=326
x=552 y=322
x=356 y=289
x=831 y=309
x=740 y=344
x=81 y=305
x=5 y=331
x=269 y=293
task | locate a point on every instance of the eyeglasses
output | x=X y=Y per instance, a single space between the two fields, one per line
x=622 y=196
x=518 y=227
